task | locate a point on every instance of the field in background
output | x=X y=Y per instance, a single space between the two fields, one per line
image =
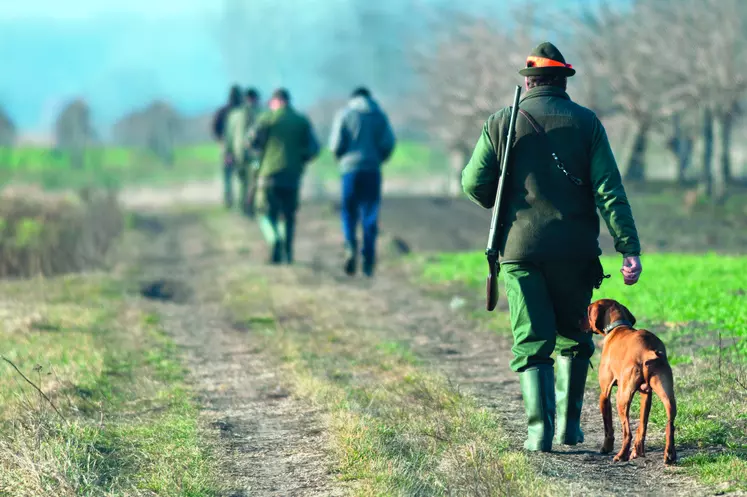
x=119 y=167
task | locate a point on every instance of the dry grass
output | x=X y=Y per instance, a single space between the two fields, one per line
x=128 y=423
x=395 y=428
x=47 y=235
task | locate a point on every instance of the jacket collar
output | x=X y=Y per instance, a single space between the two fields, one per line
x=546 y=91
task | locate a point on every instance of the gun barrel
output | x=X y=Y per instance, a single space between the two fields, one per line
x=492 y=238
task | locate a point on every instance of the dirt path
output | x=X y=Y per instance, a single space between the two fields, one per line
x=473 y=358
x=271 y=444
x=274 y=444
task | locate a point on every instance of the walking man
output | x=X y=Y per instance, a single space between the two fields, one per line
x=562 y=171
x=361 y=140
x=238 y=123
x=220 y=128
x=285 y=142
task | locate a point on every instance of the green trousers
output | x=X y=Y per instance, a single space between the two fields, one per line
x=246 y=179
x=548 y=302
x=277 y=208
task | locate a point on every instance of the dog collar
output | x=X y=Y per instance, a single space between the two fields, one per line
x=616 y=324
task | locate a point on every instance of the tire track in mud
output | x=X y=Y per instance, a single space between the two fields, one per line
x=268 y=442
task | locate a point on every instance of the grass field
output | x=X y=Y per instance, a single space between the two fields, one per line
x=127 y=422
x=105 y=167
x=697 y=304
x=118 y=167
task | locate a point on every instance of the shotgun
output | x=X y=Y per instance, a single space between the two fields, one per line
x=492 y=251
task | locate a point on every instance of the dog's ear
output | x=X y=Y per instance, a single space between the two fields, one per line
x=627 y=314
x=595 y=316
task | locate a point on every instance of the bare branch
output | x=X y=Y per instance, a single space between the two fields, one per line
x=35 y=387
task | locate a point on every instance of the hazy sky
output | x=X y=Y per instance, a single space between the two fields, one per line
x=122 y=54
x=81 y=9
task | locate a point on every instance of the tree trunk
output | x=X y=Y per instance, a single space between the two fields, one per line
x=681 y=145
x=77 y=157
x=722 y=168
x=706 y=172
x=457 y=161
x=727 y=129
x=635 y=167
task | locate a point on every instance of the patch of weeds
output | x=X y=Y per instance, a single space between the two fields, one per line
x=130 y=422
x=728 y=470
x=398 y=350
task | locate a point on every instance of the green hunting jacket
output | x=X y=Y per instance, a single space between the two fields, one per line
x=545 y=216
x=238 y=123
x=286 y=142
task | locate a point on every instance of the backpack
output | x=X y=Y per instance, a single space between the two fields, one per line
x=219 y=122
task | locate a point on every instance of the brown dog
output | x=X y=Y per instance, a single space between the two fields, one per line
x=635 y=361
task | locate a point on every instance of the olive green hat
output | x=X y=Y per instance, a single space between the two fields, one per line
x=546 y=60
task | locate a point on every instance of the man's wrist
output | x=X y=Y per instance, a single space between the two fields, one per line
x=631 y=254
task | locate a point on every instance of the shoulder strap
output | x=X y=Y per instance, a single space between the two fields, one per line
x=540 y=131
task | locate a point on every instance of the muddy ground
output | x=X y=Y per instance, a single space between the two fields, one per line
x=273 y=443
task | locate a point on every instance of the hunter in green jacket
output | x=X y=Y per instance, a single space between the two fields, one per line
x=239 y=121
x=286 y=142
x=549 y=230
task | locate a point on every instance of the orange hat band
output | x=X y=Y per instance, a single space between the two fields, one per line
x=533 y=61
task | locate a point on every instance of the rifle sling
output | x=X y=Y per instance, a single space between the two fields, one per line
x=540 y=131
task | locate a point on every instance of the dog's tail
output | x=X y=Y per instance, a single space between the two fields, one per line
x=649 y=358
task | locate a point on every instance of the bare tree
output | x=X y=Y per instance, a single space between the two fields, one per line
x=7 y=130
x=164 y=127
x=680 y=140
x=628 y=52
x=703 y=41
x=157 y=128
x=672 y=65
x=74 y=132
x=464 y=80
x=722 y=81
x=369 y=46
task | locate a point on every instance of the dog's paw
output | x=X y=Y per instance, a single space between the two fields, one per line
x=637 y=452
x=621 y=457
x=607 y=446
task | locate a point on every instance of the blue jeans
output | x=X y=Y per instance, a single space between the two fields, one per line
x=361 y=198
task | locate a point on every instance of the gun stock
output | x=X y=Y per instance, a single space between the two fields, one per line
x=492 y=251
x=491 y=290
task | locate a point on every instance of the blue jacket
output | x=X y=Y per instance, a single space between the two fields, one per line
x=361 y=137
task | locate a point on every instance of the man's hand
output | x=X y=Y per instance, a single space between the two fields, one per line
x=631 y=269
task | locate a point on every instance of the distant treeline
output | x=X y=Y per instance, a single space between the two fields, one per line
x=665 y=76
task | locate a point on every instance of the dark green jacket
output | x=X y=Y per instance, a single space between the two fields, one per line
x=545 y=216
x=286 y=142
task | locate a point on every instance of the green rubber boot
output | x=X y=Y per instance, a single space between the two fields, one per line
x=538 y=390
x=570 y=382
